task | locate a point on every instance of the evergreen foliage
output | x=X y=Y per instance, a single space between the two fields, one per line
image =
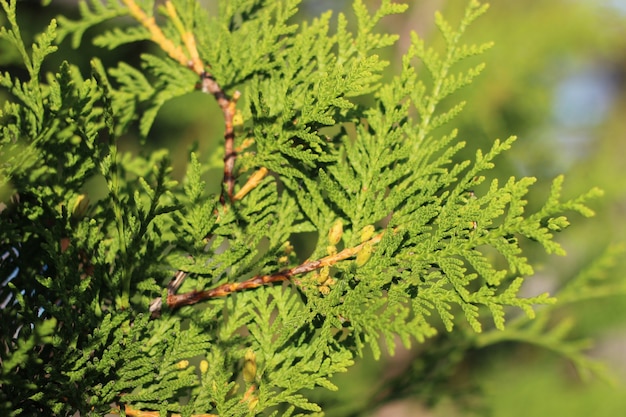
x=159 y=297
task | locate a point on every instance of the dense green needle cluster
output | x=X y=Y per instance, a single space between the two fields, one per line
x=410 y=242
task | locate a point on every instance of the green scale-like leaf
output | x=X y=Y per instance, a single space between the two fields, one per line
x=358 y=163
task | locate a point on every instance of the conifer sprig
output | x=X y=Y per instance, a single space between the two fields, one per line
x=103 y=298
x=178 y=300
x=182 y=50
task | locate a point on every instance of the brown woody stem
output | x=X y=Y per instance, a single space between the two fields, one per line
x=209 y=84
x=133 y=412
x=192 y=297
x=227 y=105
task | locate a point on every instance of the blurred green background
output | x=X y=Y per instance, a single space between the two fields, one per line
x=556 y=79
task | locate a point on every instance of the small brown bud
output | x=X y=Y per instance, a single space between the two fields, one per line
x=249 y=366
x=367 y=232
x=288 y=248
x=336 y=232
x=237 y=120
x=322 y=276
x=364 y=255
x=253 y=402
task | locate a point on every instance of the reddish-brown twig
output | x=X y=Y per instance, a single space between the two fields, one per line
x=210 y=85
x=133 y=412
x=192 y=60
x=172 y=287
x=192 y=297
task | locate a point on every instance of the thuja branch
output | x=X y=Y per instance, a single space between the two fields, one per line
x=192 y=60
x=188 y=39
x=192 y=297
x=227 y=105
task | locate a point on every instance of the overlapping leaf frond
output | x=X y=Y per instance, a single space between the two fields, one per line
x=161 y=297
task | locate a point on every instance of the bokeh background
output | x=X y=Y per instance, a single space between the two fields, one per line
x=555 y=78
